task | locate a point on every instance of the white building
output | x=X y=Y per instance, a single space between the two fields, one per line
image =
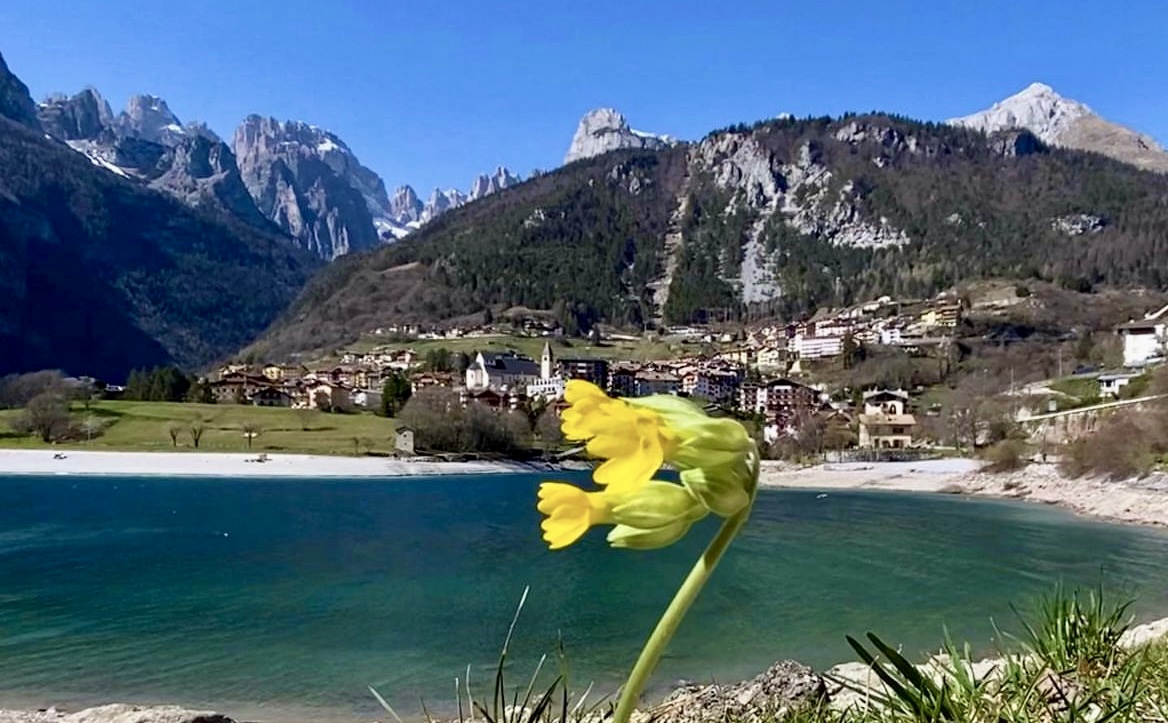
x=891 y=335
x=818 y=347
x=366 y=398
x=500 y=371
x=547 y=388
x=886 y=422
x=1110 y=385
x=1144 y=340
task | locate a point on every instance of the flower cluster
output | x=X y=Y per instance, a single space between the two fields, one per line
x=717 y=462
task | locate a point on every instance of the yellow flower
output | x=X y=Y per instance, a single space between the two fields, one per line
x=570 y=512
x=635 y=441
x=655 y=515
x=717 y=458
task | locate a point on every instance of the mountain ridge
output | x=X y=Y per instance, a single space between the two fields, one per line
x=774 y=220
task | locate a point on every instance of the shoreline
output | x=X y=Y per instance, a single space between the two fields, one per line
x=40 y=462
x=1138 y=502
x=1142 y=502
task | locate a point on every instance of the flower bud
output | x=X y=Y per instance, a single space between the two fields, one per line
x=658 y=504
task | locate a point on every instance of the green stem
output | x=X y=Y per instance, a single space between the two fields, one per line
x=671 y=619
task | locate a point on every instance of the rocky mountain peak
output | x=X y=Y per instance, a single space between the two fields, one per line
x=84 y=116
x=149 y=117
x=1037 y=108
x=1060 y=121
x=604 y=129
x=486 y=184
x=405 y=206
x=441 y=201
x=15 y=102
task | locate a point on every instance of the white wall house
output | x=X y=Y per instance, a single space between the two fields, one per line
x=886 y=423
x=1144 y=340
x=1110 y=385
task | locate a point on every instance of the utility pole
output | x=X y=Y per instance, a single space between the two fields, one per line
x=1060 y=361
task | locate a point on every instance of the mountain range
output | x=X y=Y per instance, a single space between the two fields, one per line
x=100 y=271
x=303 y=179
x=186 y=245
x=771 y=220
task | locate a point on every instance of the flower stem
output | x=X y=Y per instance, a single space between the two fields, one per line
x=671 y=619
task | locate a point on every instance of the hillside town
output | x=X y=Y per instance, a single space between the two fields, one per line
x=757 y=373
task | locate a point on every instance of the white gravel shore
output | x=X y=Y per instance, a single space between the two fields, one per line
x=178 y=464
x=1143 y=501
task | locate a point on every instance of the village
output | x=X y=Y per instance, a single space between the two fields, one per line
x=770 y=374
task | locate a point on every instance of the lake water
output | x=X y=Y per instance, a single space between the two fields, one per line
x=278 y=599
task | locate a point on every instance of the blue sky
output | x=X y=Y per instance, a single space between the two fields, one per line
x=433 y=93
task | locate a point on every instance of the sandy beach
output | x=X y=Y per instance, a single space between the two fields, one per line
x=178 y=464
x=1143 y=501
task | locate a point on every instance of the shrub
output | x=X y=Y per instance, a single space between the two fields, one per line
x=442 y=424
x=1008 y=455
x=1125 y=445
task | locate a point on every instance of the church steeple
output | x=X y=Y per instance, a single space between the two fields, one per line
x=546 y=362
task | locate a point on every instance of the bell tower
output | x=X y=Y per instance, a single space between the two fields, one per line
x=546 y=362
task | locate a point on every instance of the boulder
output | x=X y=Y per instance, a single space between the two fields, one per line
x=116 y=713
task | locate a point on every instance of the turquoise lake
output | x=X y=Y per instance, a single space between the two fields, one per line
x=285 y=599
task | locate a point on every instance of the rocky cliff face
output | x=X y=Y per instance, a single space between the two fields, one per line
x=85 y=116
x=291 y=171
x=199 y=170
x=603 y=130
x=15 y=102
x=302 y=178
x=1060 y=121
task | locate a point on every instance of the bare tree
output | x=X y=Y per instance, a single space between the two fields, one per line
x=251 y=430
x=174 y=429
x=46 y=415
x=17 y=390
x=196 y=430
x=547 y=428
x=92 y=427
x=973 y=405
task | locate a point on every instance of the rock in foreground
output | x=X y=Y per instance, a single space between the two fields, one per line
x=785 y=686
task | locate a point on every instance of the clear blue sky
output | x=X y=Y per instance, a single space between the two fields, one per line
x=433 y=93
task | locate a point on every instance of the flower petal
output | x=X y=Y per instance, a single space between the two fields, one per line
x=629 y=472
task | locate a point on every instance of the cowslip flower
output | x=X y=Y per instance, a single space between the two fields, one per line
x=636 y=437
x=657 y=514
x=718 y=468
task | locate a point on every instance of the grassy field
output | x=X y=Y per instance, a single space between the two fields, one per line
x=639 y=350
x=143 y=427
